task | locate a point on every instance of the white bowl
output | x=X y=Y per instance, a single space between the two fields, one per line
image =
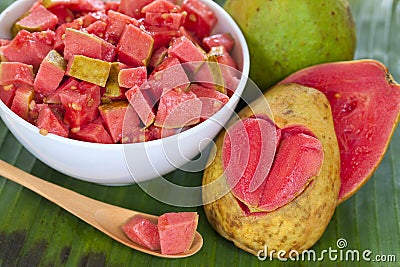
x=116 y=164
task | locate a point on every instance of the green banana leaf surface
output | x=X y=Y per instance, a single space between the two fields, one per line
x=35 y=232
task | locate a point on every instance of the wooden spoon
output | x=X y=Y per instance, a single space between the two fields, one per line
x=105 y=217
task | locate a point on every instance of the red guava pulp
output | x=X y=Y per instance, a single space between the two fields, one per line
x=267 y=167
x=365 y=102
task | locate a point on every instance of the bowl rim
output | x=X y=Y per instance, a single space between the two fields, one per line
x=233 y=100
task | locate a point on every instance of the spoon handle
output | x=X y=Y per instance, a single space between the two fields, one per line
x=105 y=217
x=77 y=204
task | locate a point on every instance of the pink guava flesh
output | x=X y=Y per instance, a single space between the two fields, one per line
x=365 y=104
x=298 y=159
x=248 y=152
x=177 y=230
x=143 y=232
x=267 y=167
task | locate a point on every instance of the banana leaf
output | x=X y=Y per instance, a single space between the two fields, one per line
x=35 y=232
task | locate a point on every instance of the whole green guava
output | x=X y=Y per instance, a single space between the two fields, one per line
x=287 y=35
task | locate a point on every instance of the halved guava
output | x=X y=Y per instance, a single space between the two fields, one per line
x=365 y=102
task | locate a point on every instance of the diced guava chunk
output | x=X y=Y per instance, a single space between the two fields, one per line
x=118 y=116
x=22 y=99
x=116 y=25
x=7 y=94
x=130 y=77
x=178 y=109
x=48 y=122
x=161 y=6
x=200 y=18
x=143 y=232
x=50 y=73
x=16 y=73
x=186 y=51
x=69 y=84
x=212 y=100
x=135 y=46
x=220 y=39
x=38 y=19
x=177 y=231
x=91 y=70
x=93 y=132
x=78 y=42
x=81 y=104
x=142 y=104
x=112 y=88
x=168 y=75
x=133 y=8
x=29 y=48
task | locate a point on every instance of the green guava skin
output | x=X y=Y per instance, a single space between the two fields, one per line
x=284 y=36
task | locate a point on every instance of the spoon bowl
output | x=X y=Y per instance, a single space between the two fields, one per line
x=105 y=217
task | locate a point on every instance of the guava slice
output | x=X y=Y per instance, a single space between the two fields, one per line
x=365 y=102
x=298 y=160
x=248 y=152
x=267 y=167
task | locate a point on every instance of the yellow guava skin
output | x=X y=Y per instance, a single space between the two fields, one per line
x=284 y=36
